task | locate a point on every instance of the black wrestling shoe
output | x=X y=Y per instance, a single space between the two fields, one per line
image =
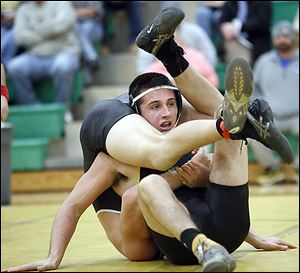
x=160 y=30
x=214 y=257
x=238 y=89
x=260 y=126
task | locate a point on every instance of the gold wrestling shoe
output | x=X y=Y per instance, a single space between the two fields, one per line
x=213 y=256
x=238 y=90
x=243 y=119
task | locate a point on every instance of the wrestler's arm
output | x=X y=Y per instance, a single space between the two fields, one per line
x=96 y=180
x=267 y=243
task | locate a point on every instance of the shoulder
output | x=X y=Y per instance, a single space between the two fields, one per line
x=265 y=58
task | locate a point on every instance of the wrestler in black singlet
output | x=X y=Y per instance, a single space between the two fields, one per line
x=220 y=212
x=93 y=133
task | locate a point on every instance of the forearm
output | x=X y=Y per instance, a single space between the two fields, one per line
x=60 y=23
x=3 y=75
x=86 y=12
x=27 y=38
x=62 y=231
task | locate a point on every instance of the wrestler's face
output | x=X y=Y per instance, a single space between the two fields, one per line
x=159 y=108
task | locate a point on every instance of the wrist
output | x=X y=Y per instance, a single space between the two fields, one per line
x=4 y=92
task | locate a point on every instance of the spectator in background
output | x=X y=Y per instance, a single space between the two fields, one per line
x=133 y=13
x=199 y=49
x=208 y=18
x=276 y=78
x=9 y=48
x=245 y=27
x=296 y=25
x=193 y=36
x=4 y=94
x=89 y=28
x=46 y=30
x=196 y=59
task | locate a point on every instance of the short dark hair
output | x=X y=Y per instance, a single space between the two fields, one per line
x=146 y=81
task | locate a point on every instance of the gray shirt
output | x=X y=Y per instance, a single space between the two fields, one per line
x=278 y=85
x=46 y=29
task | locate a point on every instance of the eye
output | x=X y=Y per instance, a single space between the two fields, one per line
x=172 y=103
x=154 y=106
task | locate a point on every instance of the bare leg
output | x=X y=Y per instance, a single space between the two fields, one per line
x=199 y=91
x=143 y=144
x=166 y=215
x=159 y=210
x=231 y=159
x=137 y=242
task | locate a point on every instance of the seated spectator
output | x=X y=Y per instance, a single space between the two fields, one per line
x=245 y=27
x=193 y=37
x=9 y=48
x=133 y=13
x=196 y=59
x=296 y=25
x=276 y=78
x=46 y=30
x=89 y=28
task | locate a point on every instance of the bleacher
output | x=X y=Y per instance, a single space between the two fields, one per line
x=43 y=146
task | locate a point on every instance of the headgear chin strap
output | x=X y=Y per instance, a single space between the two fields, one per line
x=133 y=100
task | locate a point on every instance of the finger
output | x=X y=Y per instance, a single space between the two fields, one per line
x=22 y=268
x=289 y=245
x=192 y=165
x=185 y=170
x=282 y=247
x=182 y=174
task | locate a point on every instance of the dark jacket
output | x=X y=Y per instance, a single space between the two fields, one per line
x=257 y=24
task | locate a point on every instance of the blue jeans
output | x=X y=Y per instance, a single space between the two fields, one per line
x=209 y=19
x=26 y=68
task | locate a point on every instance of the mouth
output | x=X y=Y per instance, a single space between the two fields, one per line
x=166 y=126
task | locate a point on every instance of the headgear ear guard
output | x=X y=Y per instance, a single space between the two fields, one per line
x=133 y=100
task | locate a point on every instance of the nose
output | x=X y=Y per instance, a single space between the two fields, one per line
x=166 y=111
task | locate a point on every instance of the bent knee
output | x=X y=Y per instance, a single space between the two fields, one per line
x=129 y=198
x=150 y=184
x=145 y=251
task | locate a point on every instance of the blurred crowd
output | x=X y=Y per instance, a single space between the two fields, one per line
x=51 y=39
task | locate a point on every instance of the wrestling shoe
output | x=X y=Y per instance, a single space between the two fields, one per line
x=238 y=90
x=160 y=30
x=260 y=126
x=213 y=257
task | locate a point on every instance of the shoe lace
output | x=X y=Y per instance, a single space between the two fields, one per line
x=200 y=252
x=160 y=40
